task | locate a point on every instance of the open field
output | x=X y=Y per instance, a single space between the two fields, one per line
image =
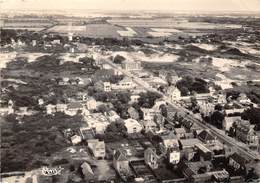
x=89 y=30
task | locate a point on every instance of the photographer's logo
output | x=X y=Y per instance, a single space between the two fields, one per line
x=51 y=171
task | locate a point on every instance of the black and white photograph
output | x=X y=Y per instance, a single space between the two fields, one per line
x=130 y=91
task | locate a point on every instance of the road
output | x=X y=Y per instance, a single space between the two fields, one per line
x=188 y=115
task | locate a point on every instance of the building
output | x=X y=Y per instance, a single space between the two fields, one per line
x=149 y=125
x=50 y=109
x=132 y=126
x=103 y=86
x=206 y=108
x=148 y=113
x=204 y=152
x=112 y=116
x=243 y=99
x=131 y=65
x=134 y=98
x=229 y=121
x=87 y=172
x=91 y=103
x=86 y=133
x=124 y=84
x=98 y=122
x=61 y=107
x=120 y=162
x=133 y=113
x=238 y=162
x=245 y=132
x=97 y=147
x=170 y=141
x=174 y=155
x=75 y=139
x=174 y=93
x=180 y=133
x=74 y=108
x=151 y=158
x=206 y=137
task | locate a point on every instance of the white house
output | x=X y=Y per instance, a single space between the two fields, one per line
x=50 y=109
x=148 y=113
x=174 y=93
x=97 y=121
x=125 y=84
x=75 y=139
x=97 y=147
x=91 y=103
x=132 y=126
x=228 y=122
x=174 y=156
x=112 y=116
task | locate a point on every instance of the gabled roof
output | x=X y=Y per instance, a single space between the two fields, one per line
x=86 y=168
x=120 y=155
x=205 y=136
x=74 y=105
x=171 y=135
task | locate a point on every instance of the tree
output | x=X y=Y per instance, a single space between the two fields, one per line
x=118 y=59
x=217 y=119
x=115 y=131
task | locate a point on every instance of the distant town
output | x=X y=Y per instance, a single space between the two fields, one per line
x=167 y=98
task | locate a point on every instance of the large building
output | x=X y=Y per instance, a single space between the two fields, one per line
x=131 y=66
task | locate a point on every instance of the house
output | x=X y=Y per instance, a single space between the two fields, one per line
x=74 y=108
x=112 y=116
x=169 y=140
x=103 y=75
x=120 y=162
x=91 y=103
x=206 y=108
x=75 y=139
x=174 y=93
x=238 y=162
x=103 y=86
x=86 y=133
x=132 y=126
x=61 y=107
x=87 y=171
x=189 y=143
x=97 y=121
x=204 y=152
x=243 y=99
x=148 y=113
x=245 y=132
x=151 y=158
x=133 y=113
x=173 y=155
x=124 y=84
x=229 y=121
x=131 y=65
x=134 y=98
x=149 y=125
x=97 y=147
x=180 y=133
x=206 y=137
x=220 y=98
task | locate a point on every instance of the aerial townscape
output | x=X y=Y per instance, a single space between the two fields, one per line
x=129 y=97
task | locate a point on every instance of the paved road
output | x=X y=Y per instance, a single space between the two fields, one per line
x=188 y=115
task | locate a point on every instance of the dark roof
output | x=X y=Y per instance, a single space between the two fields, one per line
x=205 y=135
x=120 y=155
x=239 y=159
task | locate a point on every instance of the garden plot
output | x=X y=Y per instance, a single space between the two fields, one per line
x=128 y=33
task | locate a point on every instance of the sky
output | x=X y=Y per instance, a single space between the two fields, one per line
x=160 y=5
